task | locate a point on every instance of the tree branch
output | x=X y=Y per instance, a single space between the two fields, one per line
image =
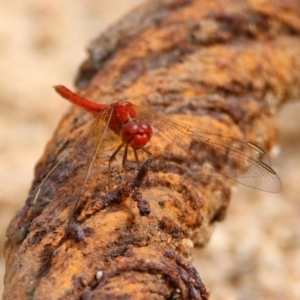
x=222 y=65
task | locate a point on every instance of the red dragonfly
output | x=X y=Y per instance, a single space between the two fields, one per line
x=215 y=153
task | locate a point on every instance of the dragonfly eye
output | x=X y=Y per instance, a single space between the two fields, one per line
x=136 y=134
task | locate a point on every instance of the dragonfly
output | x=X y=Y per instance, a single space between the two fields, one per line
x=214 y=152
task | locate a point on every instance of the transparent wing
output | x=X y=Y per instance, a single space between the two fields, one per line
x=238 y=159
x=76 y=164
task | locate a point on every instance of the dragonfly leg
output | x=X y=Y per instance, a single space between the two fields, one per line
x=110 y=161
x=143 y=168
x=124 y=161
x=136 y=156
x=137 y=161
x=148 y=152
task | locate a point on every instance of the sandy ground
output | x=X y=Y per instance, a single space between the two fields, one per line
x=253 y=254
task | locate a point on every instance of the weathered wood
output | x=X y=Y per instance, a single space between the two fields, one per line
x=223 y=65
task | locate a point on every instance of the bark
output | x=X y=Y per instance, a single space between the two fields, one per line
x=223 y=65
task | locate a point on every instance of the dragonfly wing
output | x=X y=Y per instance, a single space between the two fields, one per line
x=238 y=159
x=76 y=164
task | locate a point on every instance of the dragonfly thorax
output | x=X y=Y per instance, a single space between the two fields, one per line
x=122 y=112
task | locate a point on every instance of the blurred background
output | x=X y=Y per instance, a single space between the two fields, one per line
x=253 y=254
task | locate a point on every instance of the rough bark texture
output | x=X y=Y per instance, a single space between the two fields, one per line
x=224 y=65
